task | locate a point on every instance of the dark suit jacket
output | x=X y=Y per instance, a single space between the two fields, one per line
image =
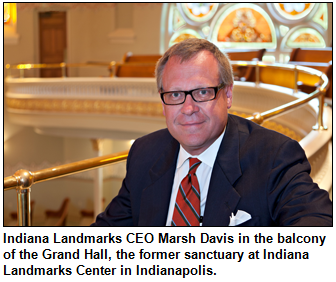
x=259 y=171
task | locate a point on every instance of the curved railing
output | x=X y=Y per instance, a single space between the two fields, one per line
x=22 y=180
x=111 y=66
x=257 y=117
x=318 y=93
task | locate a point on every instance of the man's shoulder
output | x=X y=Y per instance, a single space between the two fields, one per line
x=153 y=143
x=161 y=136
x=252 y=129
x=146 y=150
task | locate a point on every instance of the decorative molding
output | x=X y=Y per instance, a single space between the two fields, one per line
x=116 y=107
x=319 y=164
x=86 y=106
x=98 y=106
x=92 y=88
x=269 y=124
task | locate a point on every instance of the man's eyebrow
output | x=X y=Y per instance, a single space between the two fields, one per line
x=180 y=89
x=174 y=89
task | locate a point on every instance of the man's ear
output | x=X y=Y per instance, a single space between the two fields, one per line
x=229 y=89
x=163 y=109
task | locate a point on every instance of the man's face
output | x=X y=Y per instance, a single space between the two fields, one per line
x=195 y=125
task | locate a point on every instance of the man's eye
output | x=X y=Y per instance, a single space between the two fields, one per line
x=175 y=95
x=203 y=92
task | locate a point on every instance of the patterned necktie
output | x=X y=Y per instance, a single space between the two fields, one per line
x=187 y=206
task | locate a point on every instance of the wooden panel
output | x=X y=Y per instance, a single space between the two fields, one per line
x=318 y=66
x=308 y=79
x=135 y=71
x=246 y=56
x=52 y=26
x=329 y=73
x=311 y=55
x=279 y=77
x=306 y=85
x=285 y=78
x=319 y=59
x=130 y=58
x=245 y=73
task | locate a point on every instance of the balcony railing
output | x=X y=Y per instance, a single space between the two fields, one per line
x=22 y=180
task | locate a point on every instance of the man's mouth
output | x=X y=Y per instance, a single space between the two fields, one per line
x=193 y=123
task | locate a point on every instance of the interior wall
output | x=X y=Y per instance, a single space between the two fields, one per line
x=24 y=51
x=95 y=42
x=90 y=30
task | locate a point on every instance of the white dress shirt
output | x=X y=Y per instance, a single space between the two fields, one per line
x=203 y=174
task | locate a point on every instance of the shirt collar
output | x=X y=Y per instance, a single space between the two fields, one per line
x=208 y=156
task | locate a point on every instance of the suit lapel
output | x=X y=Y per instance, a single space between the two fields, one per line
x=222 y=198
x=155 y=198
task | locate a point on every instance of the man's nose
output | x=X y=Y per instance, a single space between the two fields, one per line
x=189 y=106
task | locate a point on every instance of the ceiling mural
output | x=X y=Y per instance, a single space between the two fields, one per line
x=273 y=26
x=244 y=25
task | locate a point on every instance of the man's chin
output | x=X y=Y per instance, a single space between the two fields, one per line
x=194 y=146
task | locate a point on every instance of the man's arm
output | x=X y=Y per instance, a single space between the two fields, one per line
x=294 y=200
x=119 y=211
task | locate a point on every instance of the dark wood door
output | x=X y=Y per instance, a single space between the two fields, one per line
x=52 y=27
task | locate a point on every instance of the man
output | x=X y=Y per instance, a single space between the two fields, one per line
x=210 y=168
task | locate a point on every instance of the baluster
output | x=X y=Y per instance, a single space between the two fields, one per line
x=257 y=73
x=319 y=125
x=24 y=179
x=63 y=66
x=295 y=79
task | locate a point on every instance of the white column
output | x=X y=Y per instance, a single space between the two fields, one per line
x=97 y=180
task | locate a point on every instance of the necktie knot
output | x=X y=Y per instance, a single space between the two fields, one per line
x=193 y=165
